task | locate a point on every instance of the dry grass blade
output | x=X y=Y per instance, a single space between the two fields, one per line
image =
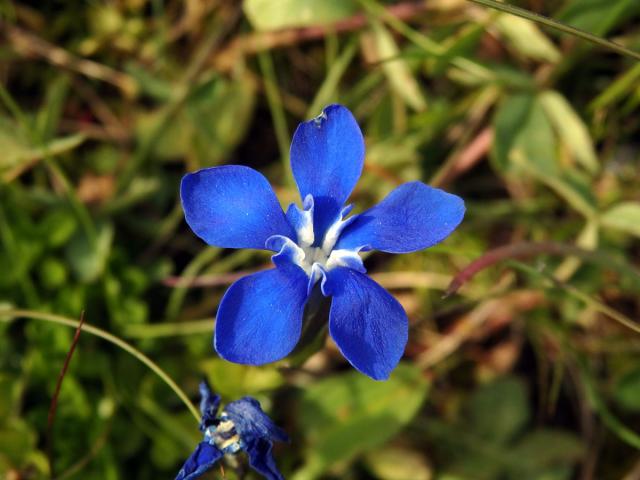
x=31 y=45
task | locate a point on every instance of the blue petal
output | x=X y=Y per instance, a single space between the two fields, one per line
x=412 y=217
x=252 y=423
x=369 y=326
x=201 y=461
x=260 y=316
x=232 y=207
x=261 y=459
x=209 y=404
x=327 y=154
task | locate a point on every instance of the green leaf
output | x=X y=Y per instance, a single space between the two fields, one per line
x=349 y=414
x=571 y=186
x=52 y=273
x=512 y=112
x=597 y=16
x=543 y=449
x=57 y=227
x=624 y=216
x=525 y=144
x=526 y=38
x=627 y=390
x=499 y=410
x=16 y=440
x=535 y=143
x=232 y=380
x=570 y=128
x=17 y=149
x=215 y=118
x=523 y=136
x=220 y=112
x=88 y=258
x=276 y=14
x=393 y=463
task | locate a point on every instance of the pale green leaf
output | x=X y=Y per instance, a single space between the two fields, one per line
x=233 y=380
x=570 y=128
x=393 y=463
x=275 y=14
x=526 y=38
x=624 y=216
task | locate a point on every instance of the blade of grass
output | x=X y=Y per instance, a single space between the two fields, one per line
x=182 y=91
x=621 y=88
x=170 y=329
x=426 y=44
x=542 y=20
x=9 y=314
x=587 y=299
x=196 y=265
x=527 y=249
x=277 y=111
x=328 y=90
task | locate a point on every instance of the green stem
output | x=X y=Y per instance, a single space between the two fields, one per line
x=541 y=19
x=6 y=316
x=170 y=329
x=277 y=109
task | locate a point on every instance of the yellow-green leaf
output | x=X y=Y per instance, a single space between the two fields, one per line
x=526 y=38
x=570 y=128
x=624 y=216
x=275 y=14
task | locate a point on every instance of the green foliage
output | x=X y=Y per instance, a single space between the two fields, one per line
x=105 y=105
x=491 y=443
x=348 y=414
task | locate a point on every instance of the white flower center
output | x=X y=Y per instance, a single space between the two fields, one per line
x=313 y=257
x=310 y=257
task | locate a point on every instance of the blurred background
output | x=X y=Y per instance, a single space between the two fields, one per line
x=530 y=371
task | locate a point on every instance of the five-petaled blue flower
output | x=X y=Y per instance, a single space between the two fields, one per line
x=242 y=425
x=260 y=316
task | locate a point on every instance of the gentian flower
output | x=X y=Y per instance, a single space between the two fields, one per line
x=242 y=425
x=260 y=317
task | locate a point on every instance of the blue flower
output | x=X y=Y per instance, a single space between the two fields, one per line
x=260 y=316
x=242 y=425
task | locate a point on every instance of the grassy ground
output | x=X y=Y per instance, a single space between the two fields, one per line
x=529 y=371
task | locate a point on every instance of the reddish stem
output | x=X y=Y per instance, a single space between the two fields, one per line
x=54 y=400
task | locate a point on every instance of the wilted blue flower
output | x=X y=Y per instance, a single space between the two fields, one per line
x=242 y=425
x=260 y=316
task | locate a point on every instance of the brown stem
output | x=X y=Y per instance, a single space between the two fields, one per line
x=54 y=400
x=528 y=249
x=31 y=45
x=261 y=41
